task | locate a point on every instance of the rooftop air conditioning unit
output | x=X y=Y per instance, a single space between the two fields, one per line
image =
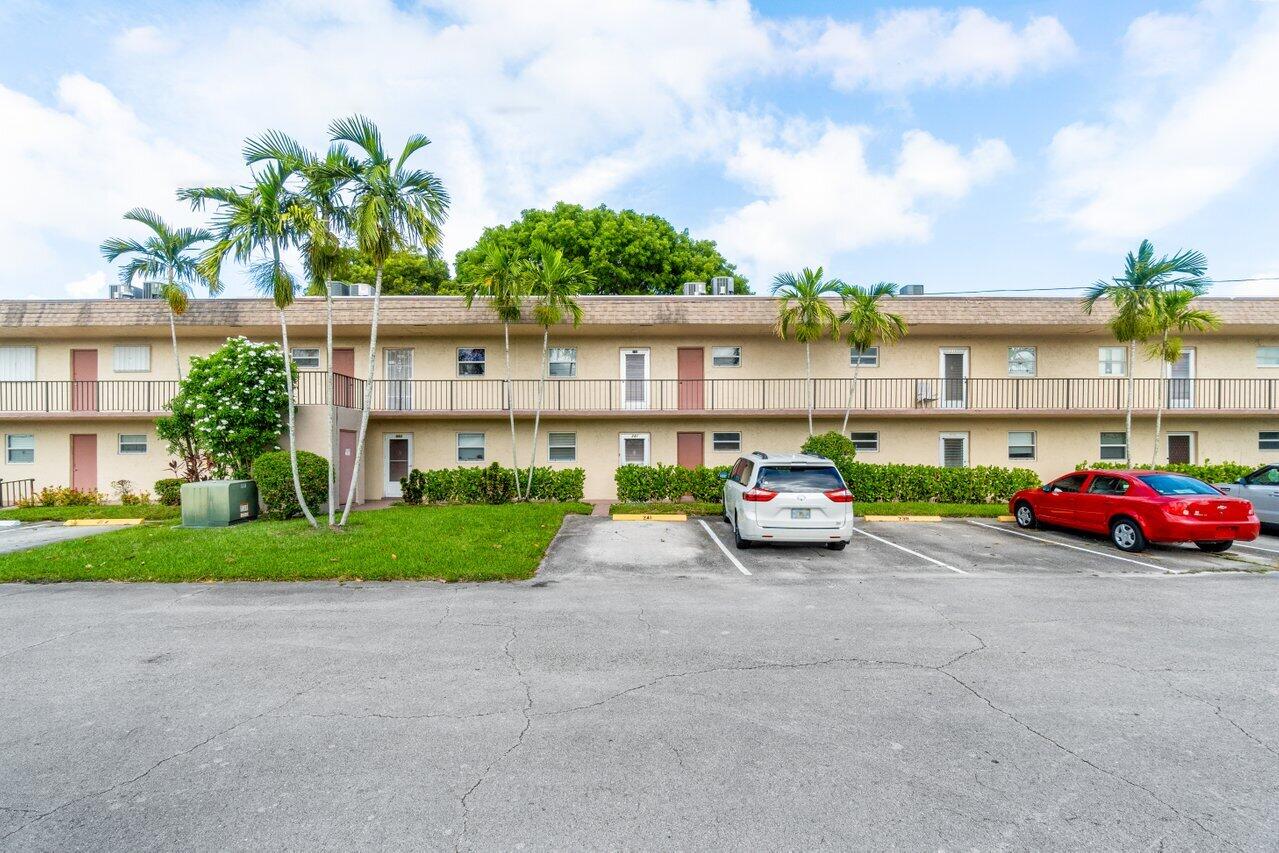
x=693 y=288
x=912 y=290
x=148 y=290
x=359 y=290
x=722 y=285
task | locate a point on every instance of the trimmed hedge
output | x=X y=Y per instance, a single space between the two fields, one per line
x=1209 y=471
x=169 y=491
x=979 y=484
x=491 y=485
x=274 y=476
x=646 y=483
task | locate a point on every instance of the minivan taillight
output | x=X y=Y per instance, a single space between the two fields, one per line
x=840 y=496
x=759 y=495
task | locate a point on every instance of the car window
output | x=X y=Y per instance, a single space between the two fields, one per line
x=1106 y=485
x=1264 y=477
x=736 y=474
x=1069 y=483
x=799 y=478
x=1177 y=484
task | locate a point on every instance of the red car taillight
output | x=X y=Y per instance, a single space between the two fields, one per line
x=759 y=495
x=1177 y=508
x=840 y=496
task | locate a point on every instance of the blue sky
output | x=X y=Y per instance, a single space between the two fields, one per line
x=963 y=147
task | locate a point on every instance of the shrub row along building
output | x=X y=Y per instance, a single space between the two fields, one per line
x=1027 y=382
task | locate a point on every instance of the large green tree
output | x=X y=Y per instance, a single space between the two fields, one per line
x=406 y=273
x=623 y=251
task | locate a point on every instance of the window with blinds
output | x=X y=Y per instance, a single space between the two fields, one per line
x=561 y=446
x=131 y=358
x=954 y=451
x=17 y=364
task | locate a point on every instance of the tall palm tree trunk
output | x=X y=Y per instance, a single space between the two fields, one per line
x=510 y=405
x=293 y=440
x=852 y=391
x=1159 y=403
x=334 y=459
x=368 y=399
x=537 y=411
x=173 y=334
x=1132 y=385
x=808 y=381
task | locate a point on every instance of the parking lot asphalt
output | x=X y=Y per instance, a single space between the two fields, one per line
x=644 y=692
x=26 y=536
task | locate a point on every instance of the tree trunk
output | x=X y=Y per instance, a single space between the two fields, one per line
x=808 y=381
x=334 y=460
x=537 y=412
x=368 y=398
x=293 y=441
x=1132 y=370
x=173 y=335
x=510 y=405
x=1159 y=403
x=852 y=391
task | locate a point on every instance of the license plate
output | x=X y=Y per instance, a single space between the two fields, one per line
x=801 y=513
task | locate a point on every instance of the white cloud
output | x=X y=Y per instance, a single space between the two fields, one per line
x=144 y=39
x=1158 y=44
x=92 y=286
x=1170 y=152
x=912 y=48
x=821 y=197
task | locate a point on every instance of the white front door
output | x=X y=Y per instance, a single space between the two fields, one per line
x=397 y=451
x=399 y=378
x=635 y=379
x=953 y=449
x=1181 y=381
x=953 y=364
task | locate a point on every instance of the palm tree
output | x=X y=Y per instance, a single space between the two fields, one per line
x=391 y=207
x=865 y=324
x=254 y=225
x=1174 y=311
x=805 y=312
x=1133 y=295
x=505 y=289
x=163 y=258
x=554 y=282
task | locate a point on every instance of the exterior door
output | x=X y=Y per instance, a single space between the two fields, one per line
x=399 y=378
x=346 y=461
x=689 y=448
x=84 y=462
x=1181 y=448
x=953 y=449
x=635 y=379
x=954 y=378
x=1181 y=381
x=398 y=453
x=344 y=383
x=84 y=380
x=690 y=363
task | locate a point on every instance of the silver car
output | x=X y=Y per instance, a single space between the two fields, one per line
x=1262 y=488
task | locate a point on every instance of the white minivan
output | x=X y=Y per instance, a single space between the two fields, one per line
x=788 y=498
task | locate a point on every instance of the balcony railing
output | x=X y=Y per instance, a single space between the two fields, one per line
x=477 y=396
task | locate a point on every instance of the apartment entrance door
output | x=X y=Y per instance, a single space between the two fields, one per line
x=954 y=378
x=84 y=462
x=690 y=364
x=635 y=379
x=1181 y=448
x=1181 y=381
x=399 y=378
x=344 y=382
x=689 y=447
x=84 y=380
x=398 y=451
x=346 y=462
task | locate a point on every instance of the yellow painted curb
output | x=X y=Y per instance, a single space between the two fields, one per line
x=99 y=522
x=625 y=516
x=901 y=518
x=1006 y=518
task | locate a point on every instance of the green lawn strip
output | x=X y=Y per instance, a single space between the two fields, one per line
x=912 y=508
x=150 y=512
x=449 y=543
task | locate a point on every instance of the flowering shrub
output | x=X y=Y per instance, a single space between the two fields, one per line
x=235 y=400
x=64 y=496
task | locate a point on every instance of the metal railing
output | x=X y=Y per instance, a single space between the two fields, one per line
x=14 y=491
x=104 y=395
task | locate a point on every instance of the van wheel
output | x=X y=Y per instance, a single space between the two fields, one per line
x=835 y=546
x=1025 y=516
x=1215 y=547
x=1126 y=535
x=742 y=544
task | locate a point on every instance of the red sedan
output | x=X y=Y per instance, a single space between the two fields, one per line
x=1137 y=507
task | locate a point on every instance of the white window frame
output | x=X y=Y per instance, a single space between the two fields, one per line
x=1273 y=440
x=941 y=448
x=120 y=443
x=942 y=400
x=1034 y=360
x=874 y=442
x=1103 y=363
x=571 y=362
x=119 y=358
x=17 y=364
x=621 y=447
x=9 y=448
x=551 y=446
x=868 y=357
x=726 y=356
x=483 y=446
x=483 y=362
x=716 y=441
x=1033 y=444
x=293 y=357
x=1264 y=363
x=1102 y=445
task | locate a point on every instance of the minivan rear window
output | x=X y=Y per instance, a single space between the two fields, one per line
x=1176 y=484
x=799 y=478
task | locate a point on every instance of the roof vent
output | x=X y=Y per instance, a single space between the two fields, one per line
x=694 y=288
x=911 y=290
x=722 y=285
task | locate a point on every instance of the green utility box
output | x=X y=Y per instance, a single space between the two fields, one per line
x=218 y=503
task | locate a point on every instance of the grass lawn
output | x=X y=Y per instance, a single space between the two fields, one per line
x=449 y=543
x=151 y=512
x=917 y=508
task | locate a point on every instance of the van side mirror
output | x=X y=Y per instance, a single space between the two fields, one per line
x=1243 y=481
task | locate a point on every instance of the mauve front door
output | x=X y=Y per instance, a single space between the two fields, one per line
x=344 y=384
x=84 y=380
x=688 y=449
x=690 y=362
x=346 y=462
x=84 y=462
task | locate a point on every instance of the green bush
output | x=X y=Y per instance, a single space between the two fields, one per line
x=833 y=445
x=491 y=485
x=64 y=496
x=646 y=483
x=169 y=491
x=274 y=476
x=874 y=483
x=497 y=485
x=413 y=487
x=1209 y=471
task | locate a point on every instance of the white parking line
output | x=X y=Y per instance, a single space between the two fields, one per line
x=1072 y=547
x=908 y=551
x=1255 y=548
x=724 y=548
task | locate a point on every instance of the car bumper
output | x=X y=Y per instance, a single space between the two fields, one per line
x=1191 y=530
x=752 y=530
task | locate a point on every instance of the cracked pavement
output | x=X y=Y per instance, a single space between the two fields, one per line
x=641 y=693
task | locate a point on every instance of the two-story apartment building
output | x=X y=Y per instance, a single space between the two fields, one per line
x=1027 y=382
